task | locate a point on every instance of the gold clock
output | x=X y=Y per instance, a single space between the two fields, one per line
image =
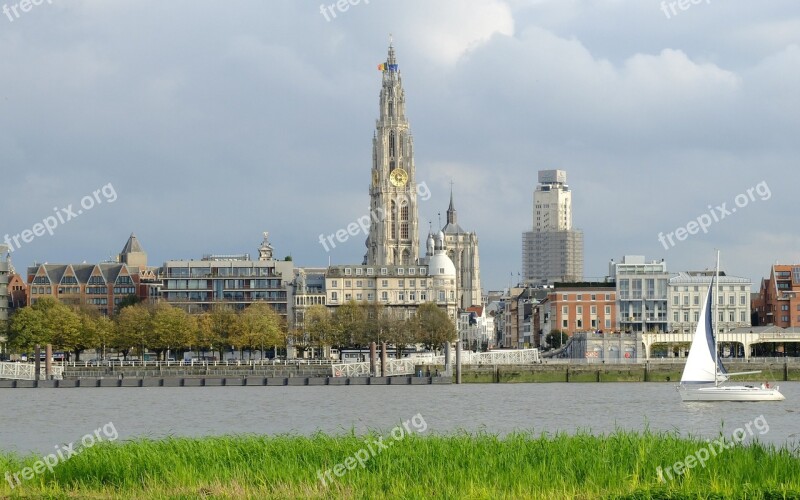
x=399 y=177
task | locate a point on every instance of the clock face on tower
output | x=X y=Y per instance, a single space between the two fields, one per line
x=398 y=177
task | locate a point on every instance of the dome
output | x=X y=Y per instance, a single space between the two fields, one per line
x=441 y=265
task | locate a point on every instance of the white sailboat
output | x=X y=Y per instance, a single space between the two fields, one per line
x=704 y=368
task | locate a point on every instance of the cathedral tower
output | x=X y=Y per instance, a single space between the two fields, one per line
x=394 y=233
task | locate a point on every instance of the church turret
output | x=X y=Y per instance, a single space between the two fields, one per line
x=394 y=233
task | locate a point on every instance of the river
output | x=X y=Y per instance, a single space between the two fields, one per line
x=36 y=420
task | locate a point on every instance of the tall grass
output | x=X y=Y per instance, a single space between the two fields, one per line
x=481 y=466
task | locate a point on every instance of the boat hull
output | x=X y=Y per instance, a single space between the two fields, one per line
x=731 y=393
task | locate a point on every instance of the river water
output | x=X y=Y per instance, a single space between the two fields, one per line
x=36 y=420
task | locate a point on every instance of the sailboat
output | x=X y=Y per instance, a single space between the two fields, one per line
x=704 y=368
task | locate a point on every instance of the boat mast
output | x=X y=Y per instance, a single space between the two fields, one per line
x=716 y=321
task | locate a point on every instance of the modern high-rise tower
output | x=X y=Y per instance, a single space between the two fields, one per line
x=394 y=233
x=553 y=251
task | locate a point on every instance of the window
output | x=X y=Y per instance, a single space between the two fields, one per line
x=401 y=283
x=579 y=310
x=412 y=296
x=412 y=283
x=348 y=271
x=696 y=300
x=696 y=317
x=594 y=310
x=565 y=323
x=359 y=271
x=359 y=297
x=401 y=296
x=412 y=271
x=565 y=310
x=423 y=296
x=579 y=297
x=385 y=283
x=348 y=297
x=441 y=296
x=334 y=296
x=564 y=296
x=608 y=310
x=594 y=297
x=743 y=301
x=785 y=318
x=731 y=300
x=370 y=297
x=785 y=307
x=334 y=283
x=686 y=300
x=731 y=316
x=370 y=271
x=686 y=316
x=359 y=284
x=675 y=316
x=348 y=284
x=608 y=323
x=400 y=271
x=676 y=300
x=742 y=317
x=608 y=296
x=384 y=296
x=384 y=271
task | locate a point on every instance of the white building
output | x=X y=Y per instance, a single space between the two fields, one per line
x=476 y=328
x=553 y=250
x=687 y=290
x=642 y=294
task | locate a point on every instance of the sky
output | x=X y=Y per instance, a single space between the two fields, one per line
x=197 y=125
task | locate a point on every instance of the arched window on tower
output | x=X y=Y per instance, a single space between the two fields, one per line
x=404 y=221
x=391 y=109
x=393 y=221
x=401 y=148
x=406 y=258
x=392 y=144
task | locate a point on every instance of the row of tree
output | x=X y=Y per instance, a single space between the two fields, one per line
x=160 y=327
x=140 y=327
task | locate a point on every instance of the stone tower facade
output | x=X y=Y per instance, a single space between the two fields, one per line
x=462 y=248
x=394 y=233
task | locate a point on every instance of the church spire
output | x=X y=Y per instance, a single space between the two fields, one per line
x=451 y=210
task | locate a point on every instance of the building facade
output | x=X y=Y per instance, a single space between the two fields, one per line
x=778 y=300
x=197 y=285
x=642 y=294
x=553 y=250
x=687 y=291
x=580 y=307
x=400 y=288
x=393 y=238
x=462 y=248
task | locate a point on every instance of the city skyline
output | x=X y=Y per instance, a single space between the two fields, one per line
x=270 y=129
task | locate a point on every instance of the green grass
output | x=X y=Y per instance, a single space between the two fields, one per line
x=482 y=466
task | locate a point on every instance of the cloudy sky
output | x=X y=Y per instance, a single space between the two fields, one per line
x=215 y=121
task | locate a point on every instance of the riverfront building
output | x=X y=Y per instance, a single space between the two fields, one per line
x=778 y=300
x=642 y=295
x=553 y=250
x=196 y=285
x=102 y=286
x=687 y=291
x=579 y=307
x=400 y=288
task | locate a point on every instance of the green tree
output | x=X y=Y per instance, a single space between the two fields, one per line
x=318 y=326
x=223 y=327
x=27 y=329
x=349 y=323
x=134 y=325
x=127 y=301
x=172 y=328
x=556 y=338
x=432 y=326
x=260 y=326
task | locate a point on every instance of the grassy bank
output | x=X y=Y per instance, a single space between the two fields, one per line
x=622 y=465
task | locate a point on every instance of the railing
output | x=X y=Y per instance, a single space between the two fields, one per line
x=191 y=363
x=27 y=371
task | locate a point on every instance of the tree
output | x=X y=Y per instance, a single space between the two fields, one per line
x=27 y=329
x=318 y=326
x=432 y=326
x=259 y=326
x=349 y=322
x=556 y=338
x=223 y=327
x=172 y=328
x=134 y=324
x=127 y=301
